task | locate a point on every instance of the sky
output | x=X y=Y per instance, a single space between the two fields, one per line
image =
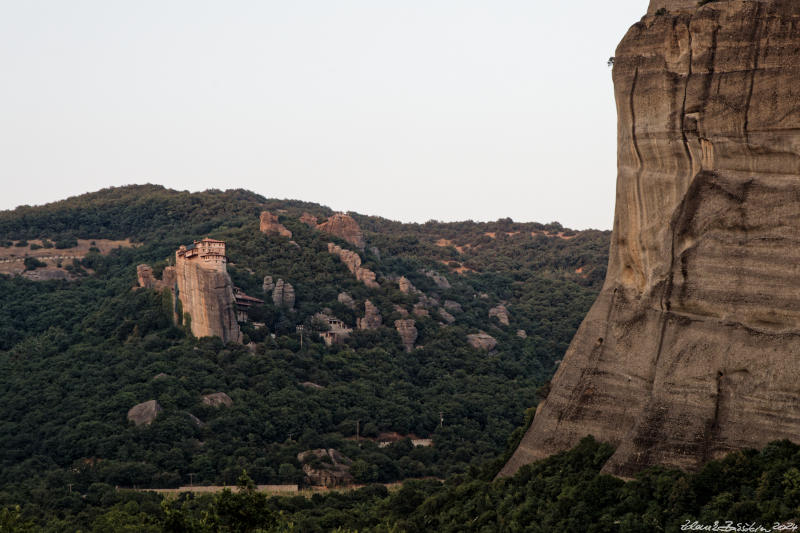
x=413 y=110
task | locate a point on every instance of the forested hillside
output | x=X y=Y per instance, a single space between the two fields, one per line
x=77 y=354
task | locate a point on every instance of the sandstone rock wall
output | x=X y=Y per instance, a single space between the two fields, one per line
x=283 y=294
x=353 y=263
x=690 y=350
x=206 y=295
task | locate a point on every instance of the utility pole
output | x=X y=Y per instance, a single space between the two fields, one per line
x=300 y=328
x=191 y=479
x=69 y=486
x=441 y=419
x=358 y=429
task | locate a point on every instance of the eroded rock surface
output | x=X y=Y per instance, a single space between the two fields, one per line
x=372 y=317
x=326 y=467
x=344 y=227
x=690 y=350
x=407 y=329
x=482 y=341
x=353 y=263
x=144 y=413
x=283 y=294
x=217 y=399
x=269 y=225
x=500 y=312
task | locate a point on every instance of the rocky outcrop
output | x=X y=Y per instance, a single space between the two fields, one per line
x=283 y=294
x=344 y=227
x=453 y=307
x=270 y=226
x=268 y=285
x=146 y=279
x=690 y=350
x=326 y=468
x=145 y=413
x=206 y=294
x=309 y=220
x=438 y=279
x=500 y=313
x=420 y=311
x=217 y=399
x=353 y=263
x=406 y=327
x=447 y=317
x=405 y=286
x=402 y=311
x=372 y=317
x=346 y=300
x=522 y=334
x=482 y=341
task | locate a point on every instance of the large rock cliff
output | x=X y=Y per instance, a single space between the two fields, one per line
x=690 y=350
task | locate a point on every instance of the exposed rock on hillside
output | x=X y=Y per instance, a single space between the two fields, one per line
x=144 y=274
x=268 y=285
x=326 y=468
x=205 y=290
x=346 y=300
x=309 y=220
x=447 y=317
x=353 y=263
x=420 y=311
x=501 y=313
x=438 y=279
x=522 y=334
x=405 y=286
x=144 y=413
x=482 y=341
x=406 y=327
x=217 y=399
x=453 y=307
x=270 y=225
x=344 y=227
x=690 y=351
x=283 y=294
x=372 y=317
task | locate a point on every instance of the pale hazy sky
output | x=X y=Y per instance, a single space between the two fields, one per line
x=408 y=109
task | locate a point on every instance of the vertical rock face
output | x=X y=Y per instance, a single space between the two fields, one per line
x=206 y=294
x=268 y=285
x=344 y=227
x=346 y=300
x=270 y=226
x=406 y=327
x=283 y=294
x=690 y=350
x=145 y=413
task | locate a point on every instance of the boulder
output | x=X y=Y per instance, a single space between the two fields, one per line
x=482 y=341
x=522 y=334
x=270 y=226
x=501 y=313
x=144 y=413
x=217 y=399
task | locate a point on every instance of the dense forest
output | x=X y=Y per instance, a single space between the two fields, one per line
x=77 y=354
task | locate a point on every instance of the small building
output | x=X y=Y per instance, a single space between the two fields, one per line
x=337 y=330
x=243 y=304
